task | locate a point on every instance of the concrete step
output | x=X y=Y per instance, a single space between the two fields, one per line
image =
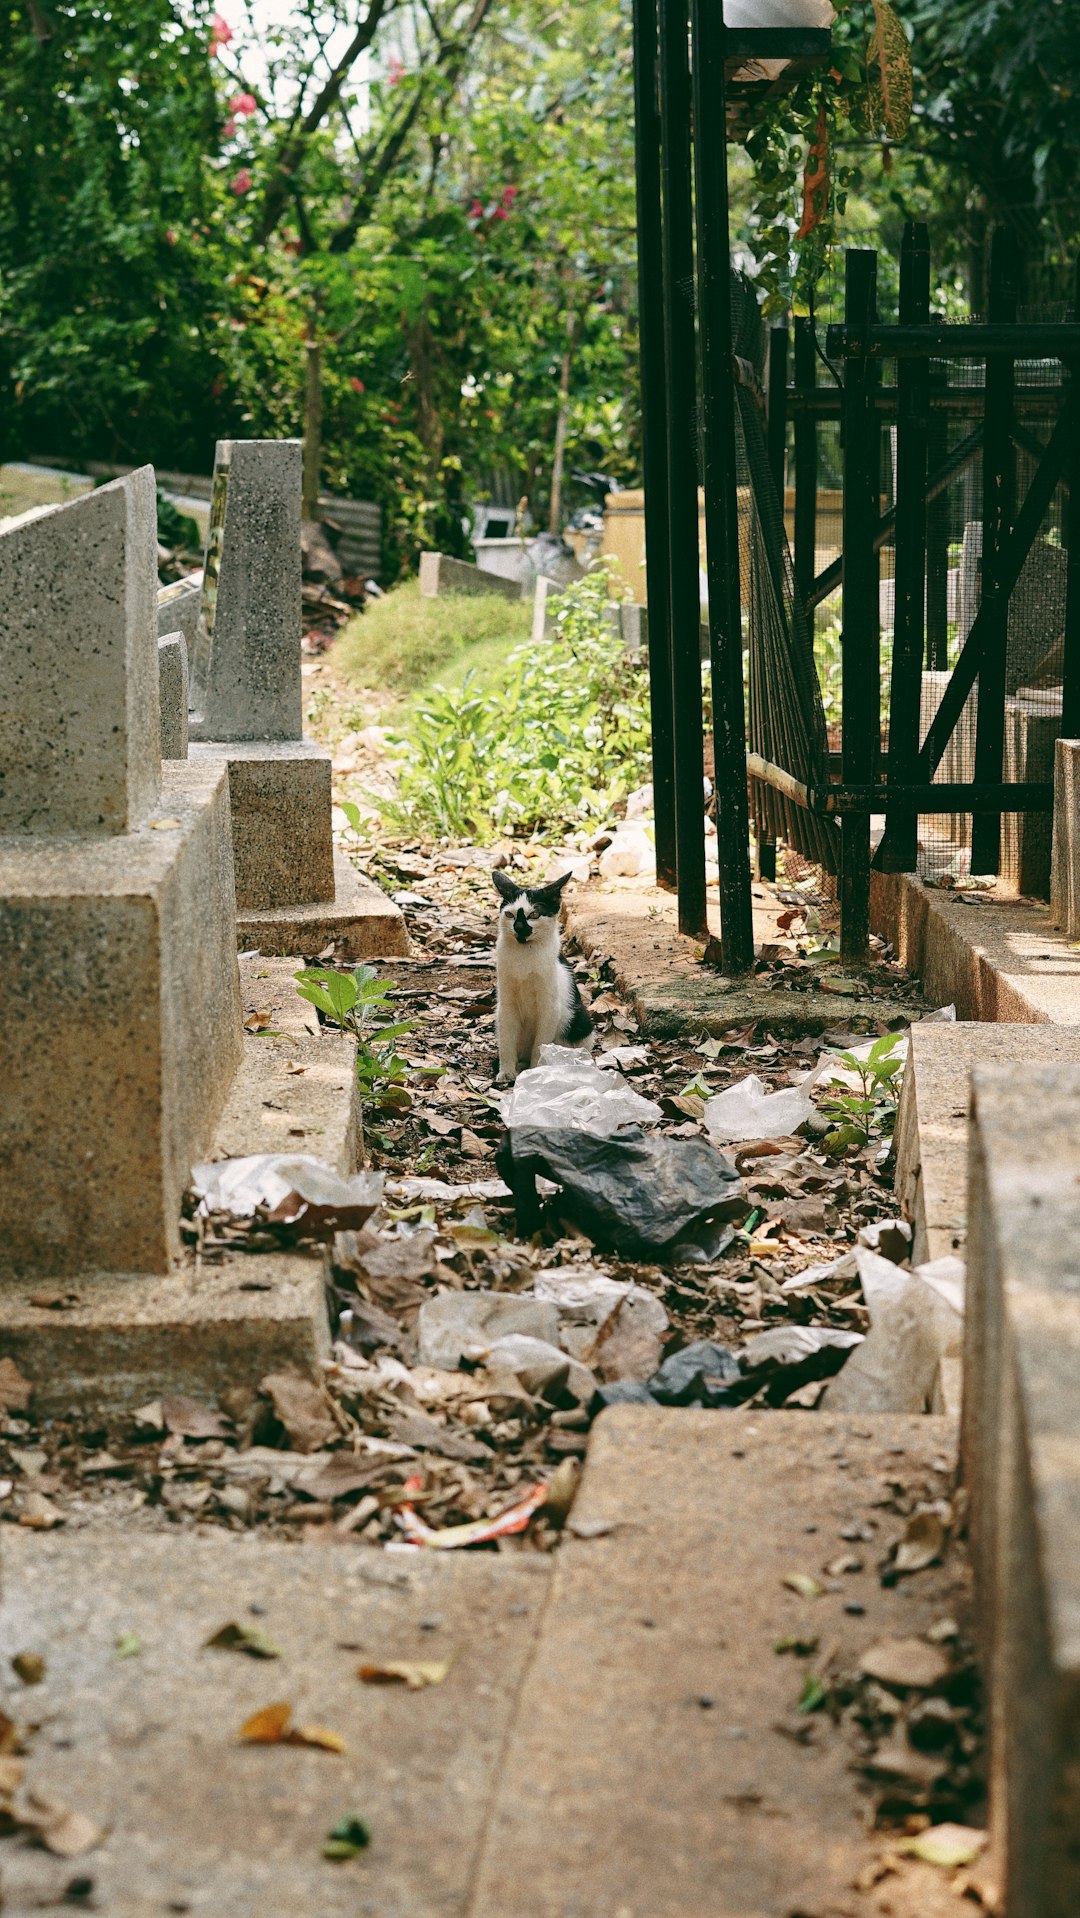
x=147 y=1745
x=621 y=1794
x=932 y=1123
x=991 y=955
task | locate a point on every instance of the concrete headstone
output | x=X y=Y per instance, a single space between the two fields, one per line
x=173 y=683
x=80 y=746
x=245 y=664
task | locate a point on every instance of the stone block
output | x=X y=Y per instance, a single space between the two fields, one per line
x=1021 y=1464
x=245 y=665
x=1065 y=847
x=173 y=695
x=80 y=748
x=360 y=920
x=1031 y=729
x=439 y=574
x=279 y=793
x=178 y=609
x=121 y=1031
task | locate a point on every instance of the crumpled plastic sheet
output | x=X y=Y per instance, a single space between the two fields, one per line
x=567 y=1090
x=634 y=1194
x=749 y=1111
x=291 y=1187
x=916 y=1321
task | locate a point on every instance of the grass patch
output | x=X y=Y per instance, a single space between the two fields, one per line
x=403 y=644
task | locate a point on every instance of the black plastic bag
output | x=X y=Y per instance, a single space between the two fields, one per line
x=634 y=1193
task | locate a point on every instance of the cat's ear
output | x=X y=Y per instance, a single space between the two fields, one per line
x=504 y=885
x=549 y=897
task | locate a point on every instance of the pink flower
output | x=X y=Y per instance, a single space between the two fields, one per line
x=240 y=182
x=228 y=128
x=220 y=33
x=170 y=236
x=476 y=211
x=510 y=194
x=243 y=103
x=396 y=73
x=357 y=385
x=501 y=213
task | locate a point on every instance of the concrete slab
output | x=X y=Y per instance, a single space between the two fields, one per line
x=279 y=793
x=661 y=973
x=439 y=574
x=173 y=695
x=80 y=749
x=296 y=1091
x=360 y=919
x=245 y=665
x=932 y=1122
x=992 y=956
x=147 y=1745
x=1065 y=858
x=1021 y=1462
x=619 y=1794
x=121 y=1030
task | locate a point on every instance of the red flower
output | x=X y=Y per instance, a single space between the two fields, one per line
x=396 y=70
x=476 y=211
x=240 y=182
x=357 y=385
x=501 y=213
x=228 y=128
x=510 y=194
x=243 y=103
x=170 y=236
x=220 y=33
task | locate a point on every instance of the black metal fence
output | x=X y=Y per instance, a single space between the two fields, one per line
x=974 y=438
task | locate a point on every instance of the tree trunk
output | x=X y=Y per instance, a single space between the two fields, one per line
x=312 y=422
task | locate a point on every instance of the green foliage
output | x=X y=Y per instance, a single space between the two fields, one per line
x=352 y=1001
x=856 y=1116
x=558 y=744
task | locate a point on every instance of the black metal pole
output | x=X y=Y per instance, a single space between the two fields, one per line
x=899 y=848
x=682 y=463
x=721 y=486
x=999 y=487
x=1070 y=691
x=654 y=431
x=806 y=463
x=776 y=408
x=861 y=635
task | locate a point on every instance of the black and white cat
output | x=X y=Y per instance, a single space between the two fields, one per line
x=538 y=1003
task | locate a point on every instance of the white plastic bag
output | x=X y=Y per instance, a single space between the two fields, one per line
x=916 y=1322
x=567 y=1090
x=240 y=1186
x=748 y=1111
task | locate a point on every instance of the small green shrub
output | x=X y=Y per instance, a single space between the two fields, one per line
x=399 y=643
x=557 y=744
x=351 y=1000
x=855 y=1116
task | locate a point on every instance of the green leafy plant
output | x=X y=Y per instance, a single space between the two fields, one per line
x=352 y=1001
x=559 y=742
x=857 y=1115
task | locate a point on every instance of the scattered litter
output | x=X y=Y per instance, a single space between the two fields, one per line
x=567 y=1091
x=905 y=1664
x=701 y=1374
x=916 y=1321
x=347 y=1839
x=639 y=1195
x=803 y=1584
x=457 y=1325
x=243 y=1638
x=517 y=1518
x=289 y=1189
x=748 y=1110
x=791 y=1345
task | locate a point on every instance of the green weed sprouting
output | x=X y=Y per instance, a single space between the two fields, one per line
x=857 y=1116
x=352 y=1001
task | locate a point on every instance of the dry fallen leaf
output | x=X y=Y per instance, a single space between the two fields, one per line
x=303 y=1409
x=11 y=1772
x=923 y=1543
x=29 y=1666
x=165 y=825
x=905 y=1662
x=947 y=1845
x=415 y=1673
x=243 y=1638
x=271 y=1726
x=187 y=1418
x=802 y=1583
x=39 y=1513
x=67 y=1834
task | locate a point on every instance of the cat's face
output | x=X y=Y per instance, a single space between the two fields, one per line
x=529 y=913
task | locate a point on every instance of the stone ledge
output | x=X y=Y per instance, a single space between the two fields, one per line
x=660 y=971
x=1021 y=1463
x=932 y=1122
x=995 y=958
x=361 y=919
x=279 y=795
